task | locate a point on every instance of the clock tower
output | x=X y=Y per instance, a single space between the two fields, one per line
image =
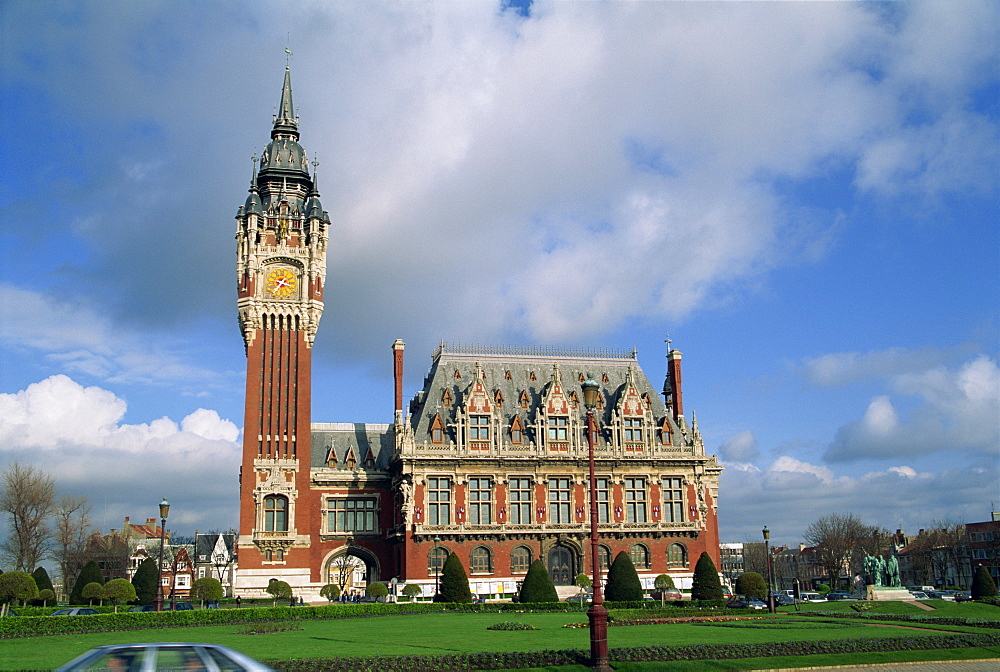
x=281 y=238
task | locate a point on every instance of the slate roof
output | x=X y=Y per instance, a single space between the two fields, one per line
x=371 y=444
x=509 y=371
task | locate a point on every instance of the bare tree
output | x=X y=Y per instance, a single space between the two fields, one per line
x=841 y=541
x=29 y=497
x=73 y=528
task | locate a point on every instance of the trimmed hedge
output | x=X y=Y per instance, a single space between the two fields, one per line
x=501 y=660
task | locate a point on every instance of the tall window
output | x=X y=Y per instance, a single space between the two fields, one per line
x=603 y=499
x=635 y=500
x=673 y=502
x=439 y=500
x=639 y=555
x=558 y=428
x=480 y=498
x=480 y=561
x=520 y=501
x=352 y=515
x=520 y=559
x=479 y=428
x=435 y=560
x=560 y=491
x=604 y=557
x=676 y=556
x=275 y=513
x=633 y=429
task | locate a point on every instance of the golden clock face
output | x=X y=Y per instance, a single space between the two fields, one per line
x=280 y=283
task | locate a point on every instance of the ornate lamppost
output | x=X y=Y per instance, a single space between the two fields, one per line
x=437 y=567
x=158 y=601
x=597 y=614
x=770 y=571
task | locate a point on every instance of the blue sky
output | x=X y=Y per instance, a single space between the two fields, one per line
x=803 y=195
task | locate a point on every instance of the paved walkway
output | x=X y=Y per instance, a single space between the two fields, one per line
x=983 y=665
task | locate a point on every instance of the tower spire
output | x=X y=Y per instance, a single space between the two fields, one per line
x=285 y=122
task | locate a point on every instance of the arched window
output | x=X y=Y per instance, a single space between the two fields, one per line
x=275 y=513
x=520 y=559
x=640 y=556
x=435 y=560
x=604 y=557
x=480 y=561
x=677 y=556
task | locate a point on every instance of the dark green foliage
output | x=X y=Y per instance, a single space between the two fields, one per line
x=454 y=582
x=91 y=573
x=43 y=582
x=623 y=582
x=206 y=589
x=706 y=584
x=144 y=581
x=511 y=625
x=17 y=587
x=119 y=591
x=751 y=584
x=412 y=590
x=278 y=590
x=377 y=589
x=331 y=591
x=537 y=585
x=983 y=584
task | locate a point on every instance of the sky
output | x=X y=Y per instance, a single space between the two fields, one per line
x=803 y=196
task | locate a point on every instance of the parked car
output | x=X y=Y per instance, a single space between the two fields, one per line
x=839 y=595
x=963 y=596
x=742 y=602
x=163 y=656
x=783 y=600
x=579 y=599
x=669 y=595
x=75 y=611
x=941 y=594
x=811 y=597
x=178 y=606
x=919 y=595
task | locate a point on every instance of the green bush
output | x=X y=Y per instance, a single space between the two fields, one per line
x=983 y=584
x=17 y=587
x=144 y=582
x=91 y=573
x=706 y=584
x=412 y=590
x=278 y=590
x=93 y=591
x=377 y=589
x=119 y=591
x=623 y=582
x=43 y=582
x=751 y=584
x=330 y=591
x=537 y=585
x=206 y=589
x=454 y=582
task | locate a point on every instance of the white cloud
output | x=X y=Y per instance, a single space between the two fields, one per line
x=75 y=433
x=741 y=447
x=958 y=411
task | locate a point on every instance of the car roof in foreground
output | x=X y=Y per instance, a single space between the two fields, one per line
x=98 y=651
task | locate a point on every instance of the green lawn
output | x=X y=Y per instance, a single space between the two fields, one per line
x=445 y=633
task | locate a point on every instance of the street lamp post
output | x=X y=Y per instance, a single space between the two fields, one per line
x=770 y=571
x=158 y=601
x=437 y=567
x=597 y=614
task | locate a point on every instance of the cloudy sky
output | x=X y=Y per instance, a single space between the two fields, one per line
x=804 y=196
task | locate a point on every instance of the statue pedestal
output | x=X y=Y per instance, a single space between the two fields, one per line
x=887 y=594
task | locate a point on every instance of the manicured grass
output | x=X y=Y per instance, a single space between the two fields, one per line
x=447 y=633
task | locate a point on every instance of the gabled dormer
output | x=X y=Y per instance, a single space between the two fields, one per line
x=477 y=413
x=556 y=413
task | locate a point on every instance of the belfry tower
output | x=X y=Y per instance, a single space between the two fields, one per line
x=281 y=234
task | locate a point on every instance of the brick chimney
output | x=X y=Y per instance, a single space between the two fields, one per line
x=672 y=385
x=397 y=371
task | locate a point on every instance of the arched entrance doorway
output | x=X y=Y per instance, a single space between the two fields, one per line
x=562 y=566
x=352 y=569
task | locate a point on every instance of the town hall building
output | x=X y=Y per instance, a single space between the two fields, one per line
x=488 y=460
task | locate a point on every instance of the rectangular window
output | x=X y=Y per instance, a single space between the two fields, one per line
x=560 y=492
x=633 y=429
x=439 y=501
x=515 y=436
x=558 y=428
x=635 y=500
x=480 y=499
x=520 y=501
x=183 y=581
x=603 y=500
x=352 y=515
x=673 y=500
x=479 y=428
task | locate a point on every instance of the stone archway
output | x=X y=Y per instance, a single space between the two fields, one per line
x=352 y=568
x=562 y=565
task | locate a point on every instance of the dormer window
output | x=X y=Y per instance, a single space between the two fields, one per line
x=516 y=431
x=524 y=400
x=479 y=427
x=437 y=429
x=498 y=398
x=446 y=398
